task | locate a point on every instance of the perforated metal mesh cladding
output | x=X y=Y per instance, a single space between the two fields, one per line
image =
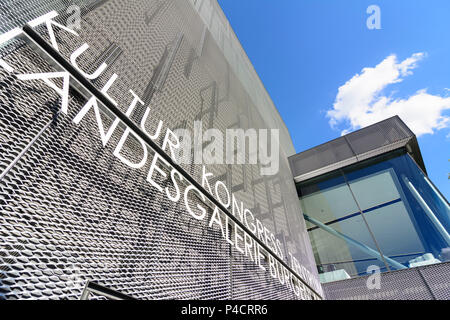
x=71 y=212
x=422 y=283
x=359 y=145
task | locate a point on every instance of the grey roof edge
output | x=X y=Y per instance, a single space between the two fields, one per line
x=409 y=143
x=414 y=149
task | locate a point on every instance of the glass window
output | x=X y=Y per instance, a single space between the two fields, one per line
x=395 y=232
x=334 y=253
x=374 y=190
x=408 y=219
x=330 y=202
x=412 y=229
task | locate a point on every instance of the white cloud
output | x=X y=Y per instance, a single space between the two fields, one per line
x=360 y=101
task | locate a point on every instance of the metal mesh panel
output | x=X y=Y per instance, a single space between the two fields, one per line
x=421 y=283
x=322 y=156
x=359 y=145
x=437 y=278
x=71 y=212
x=79 y=218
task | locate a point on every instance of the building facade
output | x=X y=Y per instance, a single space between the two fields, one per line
x=89 y=90
x=102 y=196
x=370 y=207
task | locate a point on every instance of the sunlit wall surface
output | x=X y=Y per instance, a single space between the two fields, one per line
x=382 y=212
x=71 y=212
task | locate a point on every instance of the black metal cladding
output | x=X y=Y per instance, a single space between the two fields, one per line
x=70 y=212
x=371 y=141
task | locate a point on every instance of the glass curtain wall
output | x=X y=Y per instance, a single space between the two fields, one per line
x=383 y=212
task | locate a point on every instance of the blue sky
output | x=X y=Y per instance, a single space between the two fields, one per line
x=306 y=50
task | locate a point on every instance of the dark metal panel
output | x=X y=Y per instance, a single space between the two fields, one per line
x=369 y=142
